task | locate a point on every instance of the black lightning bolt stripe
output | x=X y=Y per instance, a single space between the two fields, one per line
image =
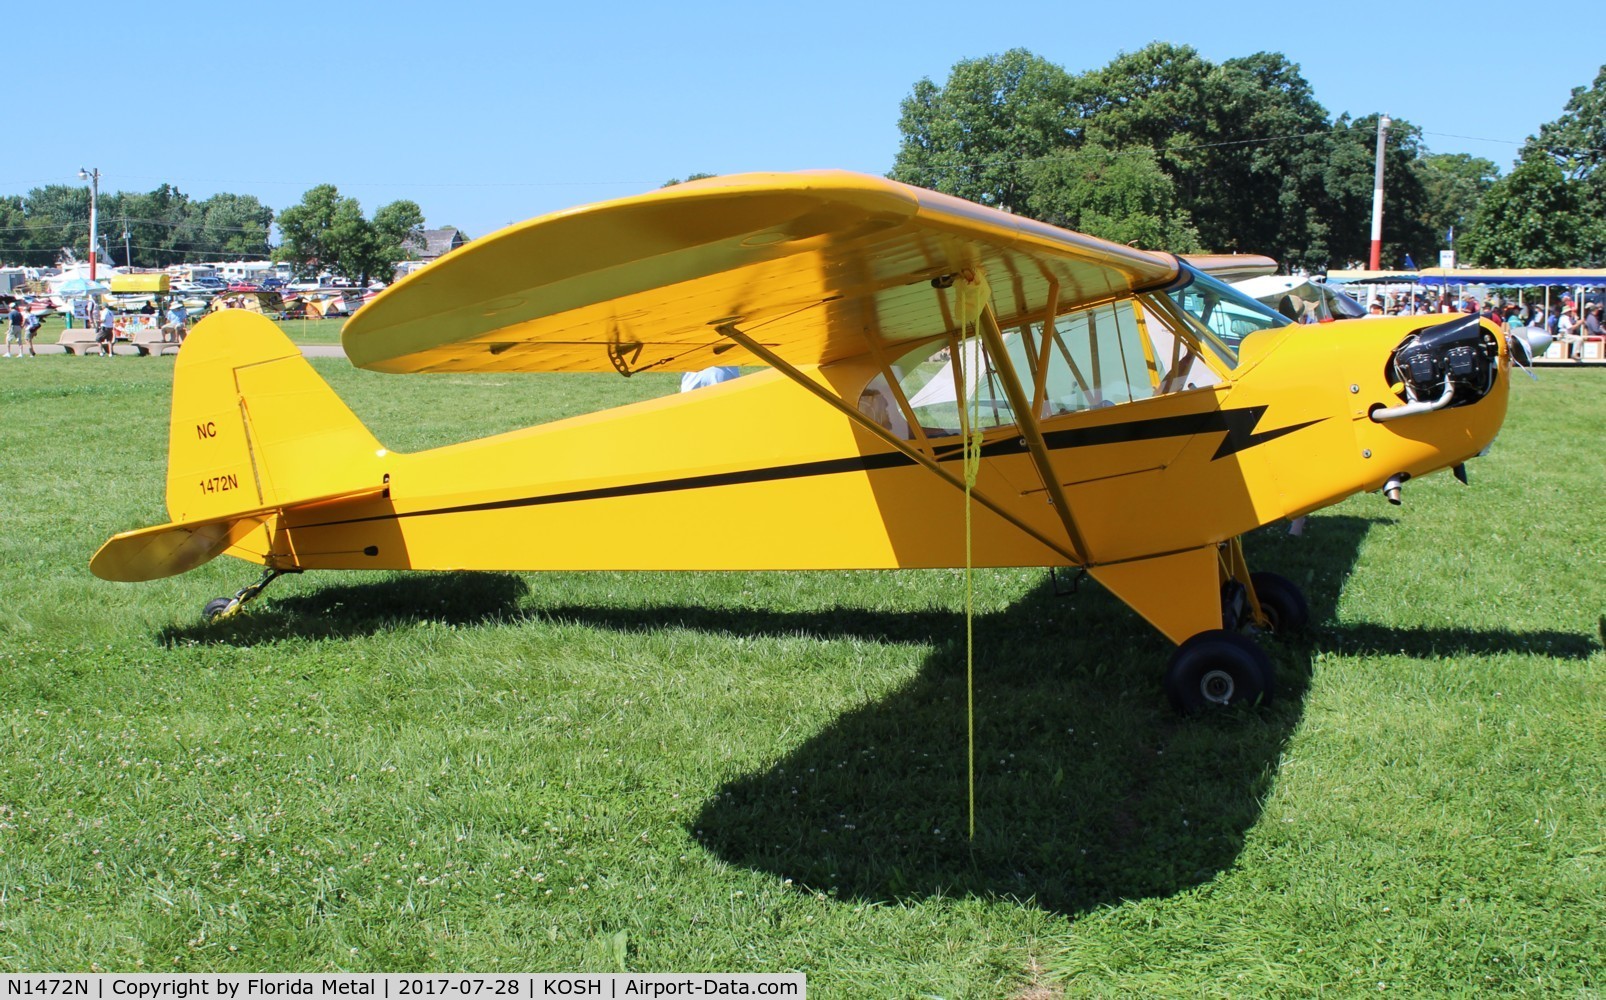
x=1239 y=426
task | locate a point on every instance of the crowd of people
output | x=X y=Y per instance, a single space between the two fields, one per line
x=1565 y=324
x=109 y=324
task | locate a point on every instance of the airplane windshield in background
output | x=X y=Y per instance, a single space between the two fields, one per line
x=1222 y=313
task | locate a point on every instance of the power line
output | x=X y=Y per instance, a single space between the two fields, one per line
x=80 y=223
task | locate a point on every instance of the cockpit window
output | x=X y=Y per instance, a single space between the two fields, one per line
x=1104 y=354
x=1220 y=314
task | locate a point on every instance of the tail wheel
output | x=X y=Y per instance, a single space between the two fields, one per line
x=216 y=606
x=1216 y=669
x=1282 y=601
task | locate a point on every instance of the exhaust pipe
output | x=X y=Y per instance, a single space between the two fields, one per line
x=1391 y=489
x=1383 y=414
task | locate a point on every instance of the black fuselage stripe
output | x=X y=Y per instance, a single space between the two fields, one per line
x=1062 y=440
x=830 y=467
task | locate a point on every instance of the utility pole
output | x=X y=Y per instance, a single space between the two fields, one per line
x=1383 y=124
x=93 y=177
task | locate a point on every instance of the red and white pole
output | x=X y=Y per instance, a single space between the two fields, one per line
x=93 y=177
x=1383 y=124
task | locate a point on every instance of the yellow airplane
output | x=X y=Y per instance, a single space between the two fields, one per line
x=1125 y=412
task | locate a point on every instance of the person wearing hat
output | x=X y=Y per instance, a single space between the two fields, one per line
x=13 y=318
x=1374 y=309
x=1566 y=331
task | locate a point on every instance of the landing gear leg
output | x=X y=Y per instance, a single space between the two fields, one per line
x=1282 y=603
x=1267 y=601
x=225 y=607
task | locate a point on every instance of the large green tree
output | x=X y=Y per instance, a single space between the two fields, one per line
x=1231 y=157
x=327 y=232
x=1120 y=196
x=1576 y=141
x=163 y=227
x=1547 y=211
x=15 y=244
x=235 y=225
x=1533 y=217
x=975 y=135
x=55 y=217
x=1454 y=184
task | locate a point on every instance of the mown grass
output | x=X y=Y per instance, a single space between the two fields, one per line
x=763 y=772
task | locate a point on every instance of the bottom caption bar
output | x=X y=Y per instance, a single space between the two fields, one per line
x=402 y=986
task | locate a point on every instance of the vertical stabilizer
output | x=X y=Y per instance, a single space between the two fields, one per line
x=254 y=426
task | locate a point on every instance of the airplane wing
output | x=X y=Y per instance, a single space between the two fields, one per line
x=806 y=264
x=1232 y=266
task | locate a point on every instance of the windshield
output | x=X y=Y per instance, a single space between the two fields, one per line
x=1222 y=314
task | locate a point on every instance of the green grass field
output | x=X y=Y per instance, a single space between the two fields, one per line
x=766 y=772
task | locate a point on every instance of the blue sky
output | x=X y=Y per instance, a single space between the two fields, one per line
x=488 y=113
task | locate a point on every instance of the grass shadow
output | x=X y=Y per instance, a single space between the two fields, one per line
x=356 y=609
x=1089 y=790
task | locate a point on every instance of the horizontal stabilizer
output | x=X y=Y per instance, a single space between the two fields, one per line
x=170 y=549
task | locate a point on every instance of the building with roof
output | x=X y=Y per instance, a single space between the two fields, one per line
x=435 y=243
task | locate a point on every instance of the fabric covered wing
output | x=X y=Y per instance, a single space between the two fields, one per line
x=806 y=263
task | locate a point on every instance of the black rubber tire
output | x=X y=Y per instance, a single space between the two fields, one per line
x=1217 y=669
x=1282 y=601
x=214 y=607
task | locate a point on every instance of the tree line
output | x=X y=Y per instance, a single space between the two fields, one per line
x=163 y=227
x=1165 y=149
x=325 y=232
x=1161 y=148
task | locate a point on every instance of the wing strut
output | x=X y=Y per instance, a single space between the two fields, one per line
x=929 y=463
x=1026 y=420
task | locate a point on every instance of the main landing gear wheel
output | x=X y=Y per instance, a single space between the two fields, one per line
x=1282 y=601
x=1216 y=669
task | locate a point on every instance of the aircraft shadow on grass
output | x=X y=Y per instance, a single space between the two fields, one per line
x=354 y=609
x=1089 y=789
